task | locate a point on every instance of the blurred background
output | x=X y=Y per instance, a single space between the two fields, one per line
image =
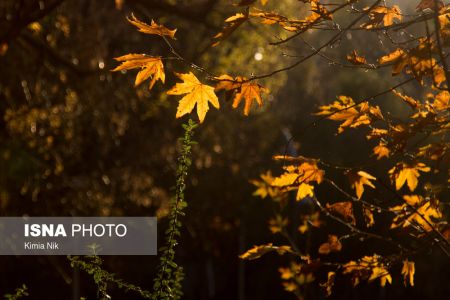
x=78 y=140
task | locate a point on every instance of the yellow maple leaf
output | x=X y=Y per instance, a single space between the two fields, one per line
x=153 y=28
x=304 y=190
x=151 y=67
x=408 y=271
x=381 y=150
x=403 y=173
x=358 y=180
x=423 y=212
x=196 y=94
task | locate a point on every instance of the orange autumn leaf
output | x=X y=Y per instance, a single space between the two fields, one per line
x=332 y=245
x=358 y=180
x=381 y=150
x=408 y=271
x=246 y=90
x=403 y=173
x=153 y=28
x=345 y=209
x=151 y=67
x=368 y=268
x=382 y=16
x=196 y=93
x=408 y=99
x=351 y=114
x=355 y=59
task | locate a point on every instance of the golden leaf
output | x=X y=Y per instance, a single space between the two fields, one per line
x=329 y=284
x=408 y=271
x=353 y=115
x=332 y=245
x=151 y=67
x=422 y=213
x=381 y=150
x=382 y=15
x=153 y=28
x=355 y=59
x=196 y=94
x=403 y=172
x=410 y=100
x=264 y=186
x=358 y=180
x=244 y=89
x=368 y=217
x=368 y=267
x=304 y=190
x=442 y=101
x=258 y=251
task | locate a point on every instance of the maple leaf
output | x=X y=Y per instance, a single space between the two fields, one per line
x=416 y=210
x=418 y=61
x=403 y=172
x=355 y=59
x=265 y=188
x=196 y=94
x=353 y=115
x=151 y=67
x=258 y=251
x=381 y=150
x=304 y=190
x=332 y=245
x=153 y=28
x=358 y=180
x=243 y=89
x=408 y=271
x=382 y=15
x=344 y=209
x=368 y=267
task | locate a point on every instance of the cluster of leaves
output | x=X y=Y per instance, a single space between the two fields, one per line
x=93 y=266
x=411 y=204
x=20 y=292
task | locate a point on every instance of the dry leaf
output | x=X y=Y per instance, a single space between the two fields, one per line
x=151 y=67
x=153 y=28
x=196 y=94
x=332 y=245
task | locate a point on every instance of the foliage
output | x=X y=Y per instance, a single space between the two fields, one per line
x=422 y=59
x=18 y=293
